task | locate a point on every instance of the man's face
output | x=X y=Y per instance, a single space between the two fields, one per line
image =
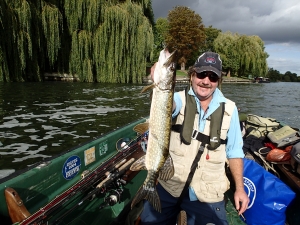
x=204 y=84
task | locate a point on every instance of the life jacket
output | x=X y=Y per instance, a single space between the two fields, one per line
x=213 y=141
x=209 y=181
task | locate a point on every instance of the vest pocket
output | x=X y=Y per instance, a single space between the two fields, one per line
x=214 y=184
x=175 y=146
x=210 y=184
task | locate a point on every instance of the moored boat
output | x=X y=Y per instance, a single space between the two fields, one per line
x=261 y=80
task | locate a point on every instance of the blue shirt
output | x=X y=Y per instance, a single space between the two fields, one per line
x=234 y=147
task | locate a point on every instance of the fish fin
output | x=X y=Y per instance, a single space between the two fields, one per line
x=139 y=164
x=141 y=127
x=166 y=172
x=182 y=218
x=154 y=199
x=150 y=195
x=147 y=88
x=139 y=196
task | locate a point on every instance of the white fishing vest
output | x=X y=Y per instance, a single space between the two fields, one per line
x=209 y=181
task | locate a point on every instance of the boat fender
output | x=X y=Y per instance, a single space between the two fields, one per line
x=16 y=209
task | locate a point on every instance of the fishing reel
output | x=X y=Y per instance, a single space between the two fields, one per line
x=113 y=197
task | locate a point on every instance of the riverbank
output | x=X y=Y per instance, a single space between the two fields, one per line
x=181 y=77
x=185 y=79
x=235 y=80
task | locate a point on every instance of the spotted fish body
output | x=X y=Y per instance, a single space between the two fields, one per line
x=157 y=161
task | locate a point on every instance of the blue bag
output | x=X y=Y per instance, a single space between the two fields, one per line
x=269 y=196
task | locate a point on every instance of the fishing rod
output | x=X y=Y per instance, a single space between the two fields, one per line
x=88 y=180
x=113 y=176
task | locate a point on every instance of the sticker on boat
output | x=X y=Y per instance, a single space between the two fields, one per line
x=103 y=148
x=71 y=167
x=89 y=156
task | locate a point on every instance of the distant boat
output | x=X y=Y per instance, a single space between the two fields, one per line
x=261 y=80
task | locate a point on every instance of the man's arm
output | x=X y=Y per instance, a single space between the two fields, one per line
x=241 y=199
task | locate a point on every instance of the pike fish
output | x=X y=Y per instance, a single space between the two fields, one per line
x=157 y=160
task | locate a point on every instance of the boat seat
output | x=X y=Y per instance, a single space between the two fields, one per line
x=16 y=209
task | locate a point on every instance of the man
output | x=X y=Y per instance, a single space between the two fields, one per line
x=206 y=125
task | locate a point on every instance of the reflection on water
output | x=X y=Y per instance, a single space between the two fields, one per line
x=39 y=120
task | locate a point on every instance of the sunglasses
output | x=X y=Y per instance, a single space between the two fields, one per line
x=211 y=76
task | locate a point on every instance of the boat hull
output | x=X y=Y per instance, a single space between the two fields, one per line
x=42 y=183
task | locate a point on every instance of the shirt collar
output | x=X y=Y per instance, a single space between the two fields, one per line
x=218 y=97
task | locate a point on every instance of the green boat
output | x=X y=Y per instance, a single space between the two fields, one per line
x=89 y=184
x=63 y=190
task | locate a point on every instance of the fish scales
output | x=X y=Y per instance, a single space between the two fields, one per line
x=160 y=122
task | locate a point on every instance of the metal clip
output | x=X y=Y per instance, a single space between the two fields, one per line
x=195 y=134
x=201 y=148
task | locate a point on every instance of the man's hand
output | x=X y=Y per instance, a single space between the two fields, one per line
x=241 y=199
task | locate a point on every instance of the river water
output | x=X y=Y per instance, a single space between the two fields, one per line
x=39 y=120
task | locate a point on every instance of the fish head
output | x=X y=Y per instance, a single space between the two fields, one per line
x=165 y=70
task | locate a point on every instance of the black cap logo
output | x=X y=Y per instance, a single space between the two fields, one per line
x=211 y=60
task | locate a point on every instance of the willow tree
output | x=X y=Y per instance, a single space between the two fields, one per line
x=16 y=38
x=225 y=45
x=30 y=38
x=253 y=59
x=110 y=40
x=186 y=32
x=121 y=44
x=242 y=54
x=68 y=36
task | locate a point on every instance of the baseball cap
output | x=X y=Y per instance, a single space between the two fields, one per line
x=209 y=61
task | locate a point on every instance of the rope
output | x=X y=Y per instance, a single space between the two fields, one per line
x=267 y=165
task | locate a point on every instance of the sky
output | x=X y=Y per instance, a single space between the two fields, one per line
x=276 y=22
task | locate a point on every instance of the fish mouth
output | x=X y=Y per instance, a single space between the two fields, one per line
x=170 y=62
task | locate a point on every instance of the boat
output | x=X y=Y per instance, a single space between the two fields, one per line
x=261 y=80
x=88 y=184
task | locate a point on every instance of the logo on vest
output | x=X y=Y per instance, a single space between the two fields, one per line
x=250 y=189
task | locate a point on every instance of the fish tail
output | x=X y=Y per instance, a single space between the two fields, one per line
x=150 y=195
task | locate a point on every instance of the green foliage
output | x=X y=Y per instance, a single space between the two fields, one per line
x=186 y=32
x=160 y=32
x=210 y=35
x=52 y=25
x=274 y=75
x=242 y=54
x=290 y=77
x=96 y=40
x=225 y=45
x=122 y=57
